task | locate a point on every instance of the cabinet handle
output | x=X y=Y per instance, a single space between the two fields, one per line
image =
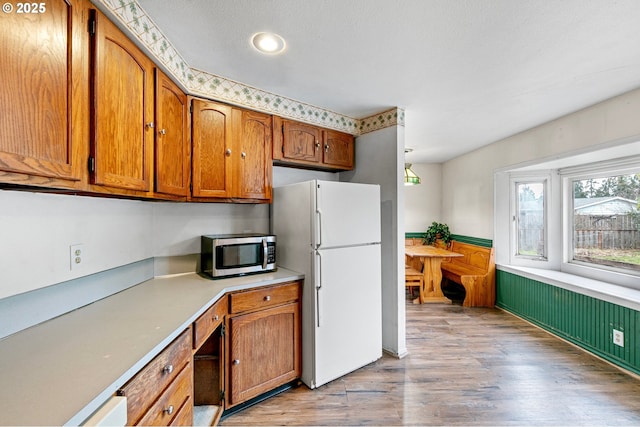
x=168 y=410
x=267 y=298
x=236 y=361
x=163 y=132
x=167 y=369
x=243 y=155
x=216 y=317
x=228 y=152
x=150 y=125
x=326 y=148
x=317 y=144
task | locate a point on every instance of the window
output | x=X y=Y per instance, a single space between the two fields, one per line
x=605 y=221
x=578 y=215
x=530 y=219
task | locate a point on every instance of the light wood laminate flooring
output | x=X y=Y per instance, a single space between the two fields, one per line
x=466 y=366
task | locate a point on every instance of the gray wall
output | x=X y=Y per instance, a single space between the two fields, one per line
x=380 y=160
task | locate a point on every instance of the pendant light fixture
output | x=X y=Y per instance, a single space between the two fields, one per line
x=410 y=177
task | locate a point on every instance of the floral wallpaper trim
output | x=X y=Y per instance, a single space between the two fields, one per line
x=142 y=27
x=208 y=85
x=392 y=117
x=216 y=87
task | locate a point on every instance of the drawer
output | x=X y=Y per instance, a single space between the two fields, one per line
x=184 y=416
x=142 y=390
x=260 y=298
x=170 y=403
x=208 y=322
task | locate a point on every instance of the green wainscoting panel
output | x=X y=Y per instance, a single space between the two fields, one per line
x=583 y=320
x=413 y=235
x=487 y=243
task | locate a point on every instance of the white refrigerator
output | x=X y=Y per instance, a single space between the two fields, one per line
x=330 y=231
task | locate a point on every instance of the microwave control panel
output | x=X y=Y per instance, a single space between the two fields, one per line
x=271 y=254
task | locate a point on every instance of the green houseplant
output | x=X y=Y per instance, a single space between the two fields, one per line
x=437 y=232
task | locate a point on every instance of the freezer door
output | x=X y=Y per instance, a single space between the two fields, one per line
x=348 y=311
x=346 y=214
x=292 y=216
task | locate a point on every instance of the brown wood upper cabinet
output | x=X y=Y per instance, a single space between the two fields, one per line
x=40 y=91
x=307 y=146
x=231 y=150
x=171 y=145
x=122 y=126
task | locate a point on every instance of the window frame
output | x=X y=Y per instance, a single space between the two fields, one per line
x=516 y=217
x=547 y=179
x=616 y=275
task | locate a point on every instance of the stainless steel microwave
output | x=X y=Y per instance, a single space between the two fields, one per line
x=229 y=255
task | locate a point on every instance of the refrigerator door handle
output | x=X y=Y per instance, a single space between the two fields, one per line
x=318 y=287
x=319 y=228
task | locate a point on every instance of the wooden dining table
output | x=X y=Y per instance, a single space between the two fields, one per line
x=432 y=258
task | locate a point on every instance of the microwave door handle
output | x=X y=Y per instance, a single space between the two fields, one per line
x=265 y=254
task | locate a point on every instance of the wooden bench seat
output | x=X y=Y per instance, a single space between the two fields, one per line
x=475 y=271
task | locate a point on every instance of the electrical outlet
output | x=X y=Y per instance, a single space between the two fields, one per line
x=76 y=256
x=618 y=338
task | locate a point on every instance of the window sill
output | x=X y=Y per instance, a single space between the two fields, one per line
x=614 y=294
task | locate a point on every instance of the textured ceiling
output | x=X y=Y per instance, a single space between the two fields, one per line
x=467 y=72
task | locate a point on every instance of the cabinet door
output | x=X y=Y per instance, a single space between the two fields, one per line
x=171 y=148
x=338 y=149
x=255 y=164
x=301 y=142
x=122 y=110
x=255 y=369
x=212 y=149
x=36 y=92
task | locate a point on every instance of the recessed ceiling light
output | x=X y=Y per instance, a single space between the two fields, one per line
x=268 y=43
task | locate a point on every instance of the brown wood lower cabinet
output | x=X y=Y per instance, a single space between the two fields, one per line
x=263 y=351
x=157 y=395
x=263 y=341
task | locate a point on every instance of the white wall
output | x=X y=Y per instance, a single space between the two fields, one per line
x=177 y=227
x=423 y=203
x=467 y=181
x=36 y=230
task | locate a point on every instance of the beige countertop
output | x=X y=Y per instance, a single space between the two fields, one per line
x=60 y=371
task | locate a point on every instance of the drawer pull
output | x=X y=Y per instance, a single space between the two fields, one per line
x=167 y=369
x=267 y=298
x=168 y=410
x=216 y=317
x=236 y=361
